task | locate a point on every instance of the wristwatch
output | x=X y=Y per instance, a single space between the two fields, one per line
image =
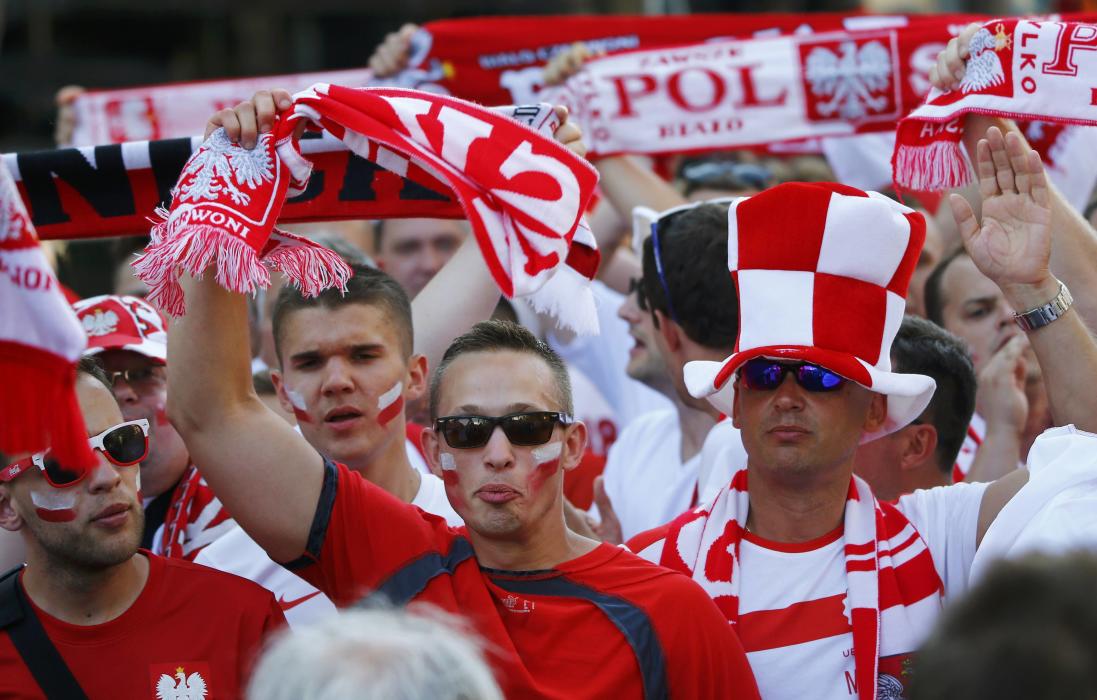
x=1042 y=315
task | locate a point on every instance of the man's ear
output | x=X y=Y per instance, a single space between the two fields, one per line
x=280 y=391
x=9 y=517
x=919 y=447
x=877 y=413
x=416 y=385
x=669 y=330
x=575 y=444
x=735 y=404
x=432 y=448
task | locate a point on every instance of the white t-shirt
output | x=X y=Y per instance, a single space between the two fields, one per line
x=603 y=359
x=236 y=553
x=645 y=478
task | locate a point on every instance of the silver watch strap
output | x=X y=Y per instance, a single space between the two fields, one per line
x=1043 y=315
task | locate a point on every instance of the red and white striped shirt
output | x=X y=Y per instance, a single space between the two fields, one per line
x=976 y=431
x=793 y=612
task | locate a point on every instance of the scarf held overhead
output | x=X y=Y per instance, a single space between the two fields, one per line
x=40 y=340
x=1017 y=69
x=889 y=571
x=488 y=60
x=523 y=193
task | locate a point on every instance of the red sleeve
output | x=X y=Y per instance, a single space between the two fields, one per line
x=705 y=658
x=364 y=539
x=645 y=539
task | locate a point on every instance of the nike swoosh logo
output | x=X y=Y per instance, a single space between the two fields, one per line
x=287 y=604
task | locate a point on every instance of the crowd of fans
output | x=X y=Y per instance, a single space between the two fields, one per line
x=417 y=489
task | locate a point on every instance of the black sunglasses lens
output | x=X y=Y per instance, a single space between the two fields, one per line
x=125 y=445
x=763 y=375
x=815 y=378
x=469 y=431
x=529 y=428
x=57 y=474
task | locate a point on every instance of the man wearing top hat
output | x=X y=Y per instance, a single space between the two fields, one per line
x=829 y=589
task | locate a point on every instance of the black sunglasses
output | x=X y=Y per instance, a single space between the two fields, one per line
x=525 y=428
x=762 y=374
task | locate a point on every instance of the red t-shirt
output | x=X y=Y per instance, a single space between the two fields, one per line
x=190 y=627
x=606 y=624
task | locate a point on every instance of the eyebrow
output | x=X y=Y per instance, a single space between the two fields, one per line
x=317 y=354
x=474 y=410
x=989 y=299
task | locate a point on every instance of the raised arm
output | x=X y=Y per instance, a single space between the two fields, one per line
x=264 y=472
x=1011 y=245
x=463 y=292
x=1073 y=240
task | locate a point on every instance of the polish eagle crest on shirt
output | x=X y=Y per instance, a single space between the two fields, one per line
x=182 y=687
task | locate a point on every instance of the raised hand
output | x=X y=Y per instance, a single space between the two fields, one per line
x=949 y=70
x=1012 y=243
x=391 y=55
x=568 y=133
x=246 y=121
x=566 y=63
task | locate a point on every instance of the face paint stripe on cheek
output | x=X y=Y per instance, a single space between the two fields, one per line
x=547 y=459
x=298 y=403
x=390 y=404
x=54 y=506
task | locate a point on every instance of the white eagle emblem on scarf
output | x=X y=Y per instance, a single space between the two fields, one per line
x=984 y=68
x=221 y=166
x=850 y=80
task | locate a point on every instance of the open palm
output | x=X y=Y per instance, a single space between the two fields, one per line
x=1012 y=244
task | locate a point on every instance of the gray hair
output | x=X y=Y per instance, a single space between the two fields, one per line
x=376 y=653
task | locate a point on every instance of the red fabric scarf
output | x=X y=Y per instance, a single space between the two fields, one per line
x=40 y=340
x=523 y=193
x=1017 y=69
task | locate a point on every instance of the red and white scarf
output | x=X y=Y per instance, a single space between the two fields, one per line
x=704 y=544
x=195 y=519
x=523 y=193
x=1017 y=69
x=40 y=341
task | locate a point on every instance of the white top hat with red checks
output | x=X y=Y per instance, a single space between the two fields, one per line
x=123 y=323
x=822 y=272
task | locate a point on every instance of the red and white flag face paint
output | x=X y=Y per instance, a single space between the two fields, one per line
x=298 y=403
x=547 y=459
x=54 y=505
x=390 y=404
x=547 y=453
x=448 y=463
